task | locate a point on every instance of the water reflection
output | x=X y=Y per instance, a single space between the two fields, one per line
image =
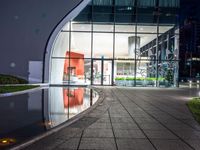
x=65 y=103
x=27 y=115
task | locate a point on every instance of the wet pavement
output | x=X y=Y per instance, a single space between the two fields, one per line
x=131 y=119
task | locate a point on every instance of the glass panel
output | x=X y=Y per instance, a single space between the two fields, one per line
x=77 y=26
x=169 y=3
x=123 y=46
x=66 y=27
x=124 y=2
x=103 y=17
x=71 y=71
x=124 y=18
x=149 y=3
x=147 y=46
x=103 y=27
x=168 y=46
x=124 y=28
x=151 y=73
x=147 y=29
x=148 y=51
x=85 y=15
x=77 y=71
x=168 y=73
x=97 y=71
x=124 y=10
x=147 y=19
x=57 y=70
x=168 y=19
x=102 y=2
x=102 y=45
x=146 y=73
x=124 y=72
x=163 y=48
x=81 y=44
x=102 y=9
x=107 y=72
x=164 y=29
x=61 y=45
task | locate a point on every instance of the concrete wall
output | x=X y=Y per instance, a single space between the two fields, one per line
x=25 y=28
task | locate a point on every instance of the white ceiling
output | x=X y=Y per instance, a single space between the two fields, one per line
x=103 y=42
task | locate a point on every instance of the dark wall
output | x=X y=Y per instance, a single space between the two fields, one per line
x=25 y=26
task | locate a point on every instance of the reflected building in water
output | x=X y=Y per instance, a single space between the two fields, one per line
x=33 y=113
x=66 y=102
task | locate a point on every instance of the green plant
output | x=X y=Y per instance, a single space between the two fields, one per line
x=150 y=79
x=10 y=89
x=119 y=78
x=169 y=76
x=140 y=78
x=8 y=79
x=194 y=106
x=161 y=79
x=130 y=78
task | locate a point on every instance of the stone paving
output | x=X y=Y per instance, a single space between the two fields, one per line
x=131 y=119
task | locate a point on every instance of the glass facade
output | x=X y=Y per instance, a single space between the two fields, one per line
x=115 y=42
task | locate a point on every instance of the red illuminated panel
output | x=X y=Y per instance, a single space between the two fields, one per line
x=76 y=63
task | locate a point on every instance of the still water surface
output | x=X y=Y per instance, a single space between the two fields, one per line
x=27 y=115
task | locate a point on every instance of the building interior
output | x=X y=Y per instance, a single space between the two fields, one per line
x=129 y=43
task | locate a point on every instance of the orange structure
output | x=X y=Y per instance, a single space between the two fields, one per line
x=76 y=63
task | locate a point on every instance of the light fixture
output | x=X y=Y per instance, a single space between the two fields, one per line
x=7 y=141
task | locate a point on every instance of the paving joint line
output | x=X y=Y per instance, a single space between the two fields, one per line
x=79 y=143
x=112 y=129
x=169 y=114
x=159 y=122
x=135 y=121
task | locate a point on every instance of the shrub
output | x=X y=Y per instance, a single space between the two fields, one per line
x=10 y=89
x=8 y=79
x=130 y=78
x=194 y=106
x=119 y=78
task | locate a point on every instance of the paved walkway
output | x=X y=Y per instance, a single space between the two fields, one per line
x=132 y=118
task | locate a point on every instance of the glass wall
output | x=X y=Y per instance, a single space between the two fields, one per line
x=114 y=42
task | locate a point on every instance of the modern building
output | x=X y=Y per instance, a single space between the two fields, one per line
x=97 y=42
x=114 y=42
x=190 y=41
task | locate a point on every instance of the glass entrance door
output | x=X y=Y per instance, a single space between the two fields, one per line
x=107 y=72
x=102 y=72
x=97 y=72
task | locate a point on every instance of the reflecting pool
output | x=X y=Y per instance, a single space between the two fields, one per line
x=27 y=115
